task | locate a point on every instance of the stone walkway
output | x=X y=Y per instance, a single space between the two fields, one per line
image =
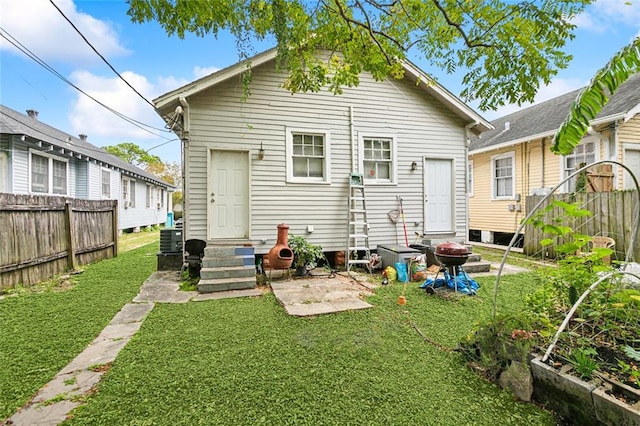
x=56 y=399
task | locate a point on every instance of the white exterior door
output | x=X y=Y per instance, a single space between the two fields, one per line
x=228 y=195
x=438 y=195
x=632 y=161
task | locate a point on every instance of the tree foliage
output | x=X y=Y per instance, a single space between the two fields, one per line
x=505 y=48
x=170 y=172
x=595 y=96
x=133 y=154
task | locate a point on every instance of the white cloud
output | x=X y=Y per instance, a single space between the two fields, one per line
x=41 y=28
x=199 y=72
x=557 y=87
x=88 y=117
x=605 y=15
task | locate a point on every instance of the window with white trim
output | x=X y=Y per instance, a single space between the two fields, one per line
x=49 y=175
x=503 y=167
x=128 y=193
x=470 y=178
x=106 y=184
x=308 y=158
x=149 y=196
x=378 y=154
x=583 y=154
x=132 y=193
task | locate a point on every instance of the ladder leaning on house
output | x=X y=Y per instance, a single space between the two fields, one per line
x=358 y=232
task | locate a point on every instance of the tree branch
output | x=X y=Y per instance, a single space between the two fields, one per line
x=458 y=27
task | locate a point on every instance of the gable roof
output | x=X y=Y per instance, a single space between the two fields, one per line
x=14 y=123
x=544 y=119
x=470 y=117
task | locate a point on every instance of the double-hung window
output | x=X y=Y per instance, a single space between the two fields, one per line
x=583 y=154
x=106 y=184
x=49 y=175
x=149 y=196
x=308 y=158
x=128 y=193
x=378 y=155
x=503 y=167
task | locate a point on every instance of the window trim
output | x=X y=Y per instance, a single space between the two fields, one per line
x=50 y=159
x=149 y=196
x=102 y=183
x=563 y=160
x=470 y=182
x=130 y=202
x=326 y=179
x=494 y=195
x=393 y=174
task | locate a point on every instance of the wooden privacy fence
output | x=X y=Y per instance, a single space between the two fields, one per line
x=42 y=236
x=613 y=215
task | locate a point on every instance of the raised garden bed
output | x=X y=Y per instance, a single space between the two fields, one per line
x=585 y=403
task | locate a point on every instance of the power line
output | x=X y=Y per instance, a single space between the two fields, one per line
x=11 y=39
x=107 y=62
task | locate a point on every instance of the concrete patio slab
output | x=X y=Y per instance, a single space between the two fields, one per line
x=311 y=296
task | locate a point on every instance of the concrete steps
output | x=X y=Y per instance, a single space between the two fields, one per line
x=226 y=268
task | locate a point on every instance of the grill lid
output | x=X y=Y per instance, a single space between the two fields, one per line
x=452 y=249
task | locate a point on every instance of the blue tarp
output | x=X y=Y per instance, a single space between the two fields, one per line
x=462 y=283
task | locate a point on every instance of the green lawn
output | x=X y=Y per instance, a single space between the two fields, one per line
x=244 y=361
x=42 y=332
x=134 y=240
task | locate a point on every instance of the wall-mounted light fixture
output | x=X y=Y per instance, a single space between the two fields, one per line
x=261 y=152
x=414 y=166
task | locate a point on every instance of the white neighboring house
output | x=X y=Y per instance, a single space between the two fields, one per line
x=38 y=159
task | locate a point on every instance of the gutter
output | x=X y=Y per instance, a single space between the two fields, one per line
x=550 y=133
x=185 y=137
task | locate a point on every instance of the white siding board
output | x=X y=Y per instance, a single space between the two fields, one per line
x=20 y=167
x=423 y=127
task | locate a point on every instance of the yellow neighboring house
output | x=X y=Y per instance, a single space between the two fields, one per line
x=514 y=160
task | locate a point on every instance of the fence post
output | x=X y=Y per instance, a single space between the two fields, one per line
x=114 y=226
x=71 y=241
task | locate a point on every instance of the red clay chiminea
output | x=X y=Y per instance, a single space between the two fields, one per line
x=280 y=256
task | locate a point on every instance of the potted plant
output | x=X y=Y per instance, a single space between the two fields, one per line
x=305 y=254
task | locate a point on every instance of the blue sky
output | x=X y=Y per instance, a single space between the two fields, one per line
x=154 y=64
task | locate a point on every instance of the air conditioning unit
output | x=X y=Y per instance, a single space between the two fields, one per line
x=170 y=240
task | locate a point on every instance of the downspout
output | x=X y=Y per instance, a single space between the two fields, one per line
x=542 y=165
x=616 y=150
x=353 y=140
x=184 y=139
x=467 y=141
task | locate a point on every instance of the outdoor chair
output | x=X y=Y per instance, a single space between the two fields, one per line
x=194 y=252
x=602 y=242
x=599 y=241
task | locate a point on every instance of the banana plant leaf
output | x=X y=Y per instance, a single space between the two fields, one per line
x=595 y=96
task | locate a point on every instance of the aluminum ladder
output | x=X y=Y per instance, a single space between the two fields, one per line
x=358 y=232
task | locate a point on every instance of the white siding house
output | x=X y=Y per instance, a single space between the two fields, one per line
x=38 y=159
x=251 y=164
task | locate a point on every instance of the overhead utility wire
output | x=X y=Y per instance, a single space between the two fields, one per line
x=52 y=70
x=107 y=62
